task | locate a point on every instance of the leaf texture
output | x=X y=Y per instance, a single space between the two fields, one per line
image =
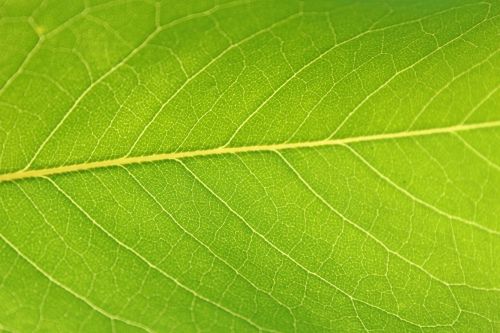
x=273 y=166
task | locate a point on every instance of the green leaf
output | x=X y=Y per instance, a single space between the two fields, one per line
x=313 y=166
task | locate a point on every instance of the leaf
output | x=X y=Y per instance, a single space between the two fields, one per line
x=315 y=166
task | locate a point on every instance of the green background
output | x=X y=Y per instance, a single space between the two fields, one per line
x=363 y=194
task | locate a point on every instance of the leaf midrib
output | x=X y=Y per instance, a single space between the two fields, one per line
x=35 y=173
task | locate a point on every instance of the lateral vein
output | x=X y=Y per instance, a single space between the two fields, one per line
x=34 y=173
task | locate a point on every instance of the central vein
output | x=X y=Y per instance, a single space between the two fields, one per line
x=23 y=174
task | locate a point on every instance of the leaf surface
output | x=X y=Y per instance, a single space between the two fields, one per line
x=275 y=166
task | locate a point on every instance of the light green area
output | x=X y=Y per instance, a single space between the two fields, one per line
x=393 y=235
